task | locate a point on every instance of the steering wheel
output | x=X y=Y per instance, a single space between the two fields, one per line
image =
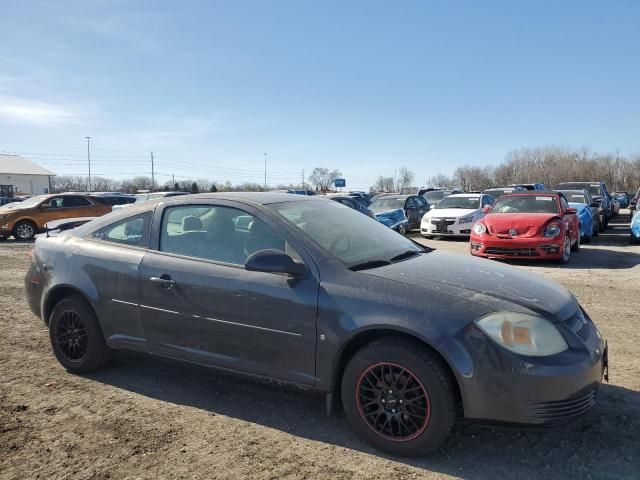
x=334 y=244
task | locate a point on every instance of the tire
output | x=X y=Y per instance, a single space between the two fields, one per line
x=566 y=251
x=602 y=224
x=430 y=399
x=596 y=228
x=85 y=349
x=402 y=230
x=633 y=240
x=25 y=230
x=576 y=246
x=587 y=239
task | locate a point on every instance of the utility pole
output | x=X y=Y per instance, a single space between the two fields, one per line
x=153 y=176
x=303 y=179
x=395 y=182
x=265 y=171
x=89 y=160
x=173 y=180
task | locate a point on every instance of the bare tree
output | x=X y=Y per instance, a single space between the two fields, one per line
x=383 y=184
x=405 y=179
x=323 y=178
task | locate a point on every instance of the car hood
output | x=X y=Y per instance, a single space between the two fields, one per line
x=526 y=224
x=497 y=286
x=451 y=212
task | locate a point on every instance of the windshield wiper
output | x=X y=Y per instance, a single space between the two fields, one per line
x=404 y=255
x=369 y=264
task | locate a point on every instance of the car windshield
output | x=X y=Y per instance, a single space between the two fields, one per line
x=344 y=233
x=572 y=196
x=459 y=202
x=592 y=188
x=525 y=204
x=28 y=203
x=387 y=203
x=434 y=196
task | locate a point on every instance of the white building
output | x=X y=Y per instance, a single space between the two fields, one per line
x=19 y=176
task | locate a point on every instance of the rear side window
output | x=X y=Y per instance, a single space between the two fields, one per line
x=132 y=231
x=70 y=202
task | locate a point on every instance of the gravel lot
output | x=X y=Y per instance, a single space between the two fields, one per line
x=149 y=418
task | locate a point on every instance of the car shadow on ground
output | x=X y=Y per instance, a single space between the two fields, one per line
x=605 y=435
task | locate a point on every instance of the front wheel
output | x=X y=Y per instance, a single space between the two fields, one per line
x=602 y=224
x=24 y=230
x=402 y=229
x=399 y=397
x=76 y=337
x=566 y=251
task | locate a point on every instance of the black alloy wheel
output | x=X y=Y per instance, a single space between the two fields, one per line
x=76 y=336
x=393 y=401
x=399 y=396
x=72 y=336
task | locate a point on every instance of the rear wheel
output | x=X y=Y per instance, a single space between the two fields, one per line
x=602 y=223
x=399 y=397
x=25 y=230
x=596 y=227
x=76 y=337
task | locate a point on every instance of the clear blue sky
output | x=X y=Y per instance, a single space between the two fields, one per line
x=365 y=87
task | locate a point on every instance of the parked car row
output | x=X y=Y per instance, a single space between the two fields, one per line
x=304 y=291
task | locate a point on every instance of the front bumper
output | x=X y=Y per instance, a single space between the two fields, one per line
x=445 y=228
x=499 y=386
x=534 y=248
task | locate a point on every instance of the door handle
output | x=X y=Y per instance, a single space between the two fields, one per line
x=163 y=281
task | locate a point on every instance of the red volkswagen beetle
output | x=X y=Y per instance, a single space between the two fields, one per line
x=531 y=225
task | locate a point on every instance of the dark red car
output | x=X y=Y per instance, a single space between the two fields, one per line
x=531 y=225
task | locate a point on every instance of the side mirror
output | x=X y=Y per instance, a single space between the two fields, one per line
x=275 y=261
x=571 y=210
x=486 y=209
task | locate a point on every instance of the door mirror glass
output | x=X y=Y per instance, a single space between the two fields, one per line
x=275 y=261
x=571 y=210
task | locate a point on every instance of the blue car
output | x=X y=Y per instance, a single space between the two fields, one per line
x=623 y=199
x=585 y=219
x=635 y=228
x=394 y=219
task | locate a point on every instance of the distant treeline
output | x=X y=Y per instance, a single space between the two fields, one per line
x=549 y=165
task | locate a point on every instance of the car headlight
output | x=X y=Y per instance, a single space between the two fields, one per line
x=523 y=333
x=479 y=228
x=468 y=219
x=552 y=230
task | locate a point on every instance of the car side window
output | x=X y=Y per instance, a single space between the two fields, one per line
x=132 y=231
x=222 y=234
x=411 y=203
x=420 y=201
x=70 y=202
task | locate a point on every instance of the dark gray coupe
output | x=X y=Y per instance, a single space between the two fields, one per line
x=313 y=293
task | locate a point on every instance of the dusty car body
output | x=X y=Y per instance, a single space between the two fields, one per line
x=303 y=291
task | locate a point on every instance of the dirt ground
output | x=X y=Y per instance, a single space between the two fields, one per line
x=148 y=418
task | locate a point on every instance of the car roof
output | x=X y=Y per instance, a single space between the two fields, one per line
x=465 y=195
x=398 y=195
x=534 y=193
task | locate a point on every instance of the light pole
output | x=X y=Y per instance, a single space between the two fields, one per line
x=89 y=160
x=265 y=171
